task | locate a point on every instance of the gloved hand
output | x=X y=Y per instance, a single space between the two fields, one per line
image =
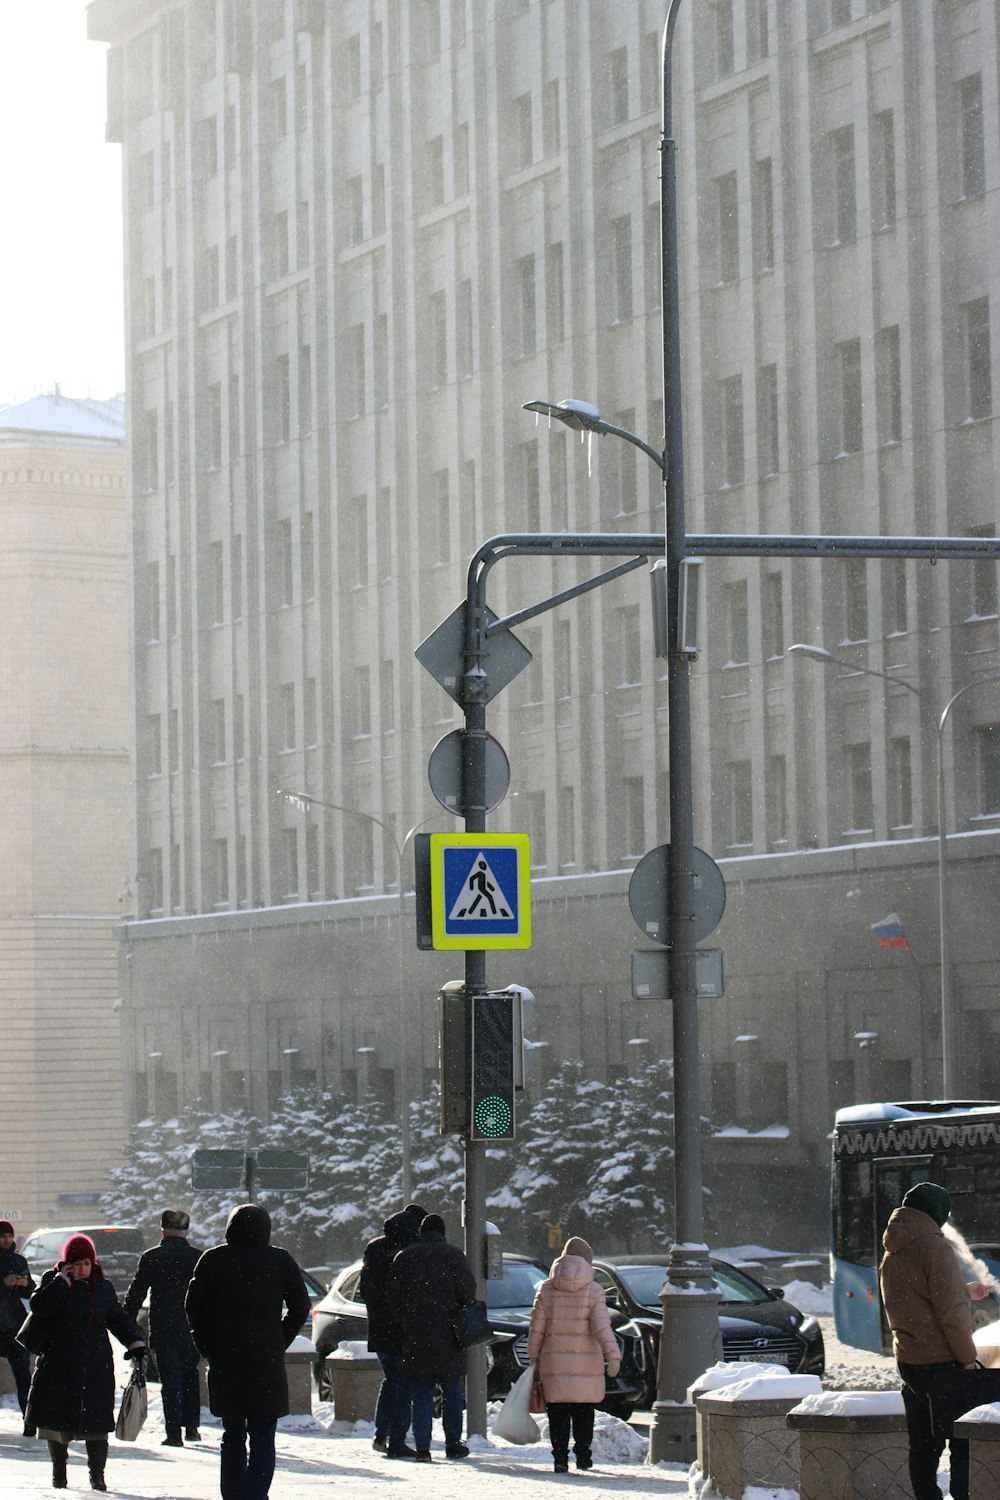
x=614 y=1365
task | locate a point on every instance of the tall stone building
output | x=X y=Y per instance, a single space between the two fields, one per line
x=360 y=237
x=64 y=793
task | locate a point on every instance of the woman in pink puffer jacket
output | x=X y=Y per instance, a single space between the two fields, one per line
x=570 y=1338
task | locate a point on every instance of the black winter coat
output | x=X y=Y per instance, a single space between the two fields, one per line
x=236 y=1308
x=12 y=1312
x=425 y=1282
x=384 y=1333
x=164 y=1272
x=73 y=1385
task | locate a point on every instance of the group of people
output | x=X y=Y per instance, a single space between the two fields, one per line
x=411 y=1282
x=238 y=1305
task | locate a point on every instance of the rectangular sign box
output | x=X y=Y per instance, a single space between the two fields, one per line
x=480 y=887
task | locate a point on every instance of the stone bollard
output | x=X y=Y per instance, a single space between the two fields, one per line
x=727 y=1374
x=299 y=1357
x=981 y=1429
x=852 y=1446
x=355 y=1380
x=743 y=1436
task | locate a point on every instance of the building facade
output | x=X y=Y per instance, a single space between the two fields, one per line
x=359 y=238
x=64 y=789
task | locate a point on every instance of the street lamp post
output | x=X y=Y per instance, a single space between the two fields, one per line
x=301 y=800
x=950 y=1070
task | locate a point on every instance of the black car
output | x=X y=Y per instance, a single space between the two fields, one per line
x=756 y=1322
x=340 y=1315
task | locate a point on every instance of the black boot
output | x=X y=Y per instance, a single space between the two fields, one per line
x=58 y=1452
x=97 y=1457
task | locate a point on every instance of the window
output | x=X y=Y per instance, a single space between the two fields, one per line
x=724 y=52
x=363 y=700
x=988 y=745
x=555 y=294
x=845 y=196
x=900 y=784
x=236 y=576
x=763 y=215
x=387 y=695
x=305 y=389
x=860 y=787
x=551 y=122
x=355 y=212
x=618 y=85
x=626 y=496
x=148 y=460
x=356 y=355
x=628 y=622
x=727 y=202
x=279 y=244
x=216 y=584
x=851 y=420
x=772 y=610
x=438 y=328
x=534 y=817
x=889 y=390
x=287 y=563
x=977 y=347
x=352 y=66
x=884 y=170
x=738 y=620
x=984 y=578
x=442 y=515
x=156 y=879
x=213 y=417
x=378 y=199
x=218 y=731
x=775 y=798
x=307 y=539
x=435 y=171
x=359 y=515
x=840 y=12
x=651 y=261
x=153 y=598
x=380 y=356
x=208 y=146
x=383 y=533
x=758 y=40
x=463 y=330
x=292 y=860
x=279 y=108
x=282 y=416
x=740 y=803
x=621 y=241
x=732 y=431
x=460 y=160
x=856 y=599
x=239 y=732
x=234 y=417
x=566 y=832
x=522 y=114
x=155 y=745
x=171 y=596
x=173 y=741
x=768 y=460
x=525 y=271
x=558 y=484
x=312 y=860
x=288 y=716
x=972 y=138
x=175 y=877
x=635 y=817
x=531 y=487
x=310 y=727
x=894 y=595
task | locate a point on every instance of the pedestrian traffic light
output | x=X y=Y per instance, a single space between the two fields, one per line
x=491 y=1105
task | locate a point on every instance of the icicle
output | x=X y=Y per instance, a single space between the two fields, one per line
x=590 y=455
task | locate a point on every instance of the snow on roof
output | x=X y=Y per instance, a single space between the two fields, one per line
x=859 y=1114
x=76 y=421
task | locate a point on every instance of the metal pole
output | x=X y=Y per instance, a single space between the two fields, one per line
x=947 y=1037
x=690 y=1339
x=474 y=797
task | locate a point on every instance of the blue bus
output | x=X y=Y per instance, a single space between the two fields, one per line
x=879 y=1152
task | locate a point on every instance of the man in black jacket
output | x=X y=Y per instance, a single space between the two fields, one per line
x=164 y=1272
x=15 y=1284
x=245 y=1304
x=385 y=1339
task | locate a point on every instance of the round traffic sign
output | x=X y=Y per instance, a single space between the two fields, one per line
x=647 y=894
x=444 y=771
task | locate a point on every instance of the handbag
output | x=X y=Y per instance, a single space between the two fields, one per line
x=132 y=1412
x=514 y=1421
x=34 y=1333
x=537 y=1402
x=470 y=1325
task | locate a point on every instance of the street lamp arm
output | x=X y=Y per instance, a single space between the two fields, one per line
x=990 y=677
x=581 y=416
x=820 y=653
x=299 y=797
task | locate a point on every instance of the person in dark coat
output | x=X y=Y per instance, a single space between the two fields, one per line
x=385 y=1339
x=426 y=1282
x=16 y=1283
x=72 y=1392
x=164 y=1272
x=245 y=1304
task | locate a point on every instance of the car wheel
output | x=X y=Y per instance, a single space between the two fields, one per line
x=619 y=1407
x=324 y=1381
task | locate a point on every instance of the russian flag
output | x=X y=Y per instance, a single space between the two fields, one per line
x=890 y=932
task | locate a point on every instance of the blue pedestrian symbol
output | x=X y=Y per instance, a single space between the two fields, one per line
x=480 y=890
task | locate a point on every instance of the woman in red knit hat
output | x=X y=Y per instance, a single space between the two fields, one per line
x=72 y=1394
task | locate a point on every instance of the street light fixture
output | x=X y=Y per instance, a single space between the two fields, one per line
x=950 y=1083
x=302 y=801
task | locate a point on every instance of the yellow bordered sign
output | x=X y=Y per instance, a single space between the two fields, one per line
x=480 y=890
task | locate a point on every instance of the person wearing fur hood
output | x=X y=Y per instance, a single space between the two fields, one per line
x=570 y=1339
x=928 y=1306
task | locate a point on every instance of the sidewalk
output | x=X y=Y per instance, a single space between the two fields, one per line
x=318 y=1454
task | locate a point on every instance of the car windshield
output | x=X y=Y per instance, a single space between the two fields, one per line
x=517 y=1287
x=117 y=1242
x=644 y=1284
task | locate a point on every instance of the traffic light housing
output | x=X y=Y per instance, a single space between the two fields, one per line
x=491 y=1073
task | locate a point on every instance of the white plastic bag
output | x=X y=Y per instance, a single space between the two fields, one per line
x=514 y=1421
x=132 y=1412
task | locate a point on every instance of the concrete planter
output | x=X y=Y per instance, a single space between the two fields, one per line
x=983 y=1438
x=298 y=1368
x=750 y=1443
x=862 y=1457
x=355 y=1383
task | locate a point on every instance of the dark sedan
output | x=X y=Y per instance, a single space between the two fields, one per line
x=340 y=1315
x=756 y=1322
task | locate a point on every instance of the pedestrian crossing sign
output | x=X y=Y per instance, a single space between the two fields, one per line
x=480 y=890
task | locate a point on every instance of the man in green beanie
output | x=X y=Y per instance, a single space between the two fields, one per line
x=927 y=1303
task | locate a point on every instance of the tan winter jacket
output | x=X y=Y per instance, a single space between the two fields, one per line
x=570 y=1335
x=924 y=1292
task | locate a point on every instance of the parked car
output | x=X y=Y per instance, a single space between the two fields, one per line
x=756 y=1322
x=341 y=1316
x=118 y=1249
